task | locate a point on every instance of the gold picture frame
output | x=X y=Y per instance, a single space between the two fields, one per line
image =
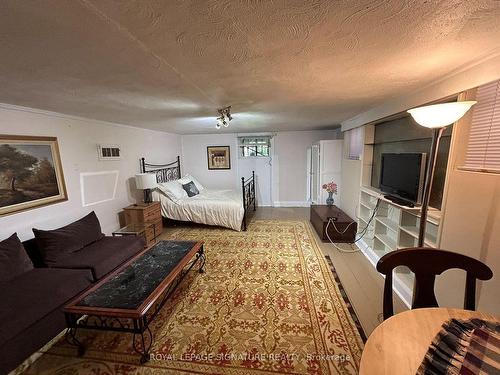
x=219 y=157
x=31 y=173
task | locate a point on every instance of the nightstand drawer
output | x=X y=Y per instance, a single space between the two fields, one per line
x=150 y=235
x=158 y=225
x=142 y=213
x=152 y=215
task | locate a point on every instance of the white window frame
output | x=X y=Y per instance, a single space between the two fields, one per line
x=241 y=143
x=483 y=143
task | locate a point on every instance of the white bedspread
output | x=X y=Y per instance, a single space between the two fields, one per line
x=213 y=207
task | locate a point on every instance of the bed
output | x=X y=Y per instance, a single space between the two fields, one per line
x=226 y=208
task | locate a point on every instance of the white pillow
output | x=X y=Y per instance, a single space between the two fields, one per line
x=188 y=178
x=173 y=190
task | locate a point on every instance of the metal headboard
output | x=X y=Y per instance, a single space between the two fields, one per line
x=164 y=172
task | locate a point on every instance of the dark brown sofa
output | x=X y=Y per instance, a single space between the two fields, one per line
x=66 y=261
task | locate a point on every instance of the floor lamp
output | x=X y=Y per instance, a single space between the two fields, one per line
x=437 y=117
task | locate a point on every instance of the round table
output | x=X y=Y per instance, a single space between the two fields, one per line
x=398 y=345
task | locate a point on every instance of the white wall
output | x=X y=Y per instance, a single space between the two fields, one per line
x=289 y=170
x=194 y=160
x=290 y=165
x=471 y=226
x=78 y=139
x=351 y=181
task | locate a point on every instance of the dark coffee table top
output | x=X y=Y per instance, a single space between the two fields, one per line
x=130 y=290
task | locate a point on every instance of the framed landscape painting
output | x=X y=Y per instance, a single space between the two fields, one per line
x=218 y=157
x=30 y=173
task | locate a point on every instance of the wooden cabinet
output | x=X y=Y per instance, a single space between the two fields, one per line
x=146 y=213
x=342 y=229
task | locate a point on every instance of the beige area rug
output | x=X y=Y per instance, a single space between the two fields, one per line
x=266 y=304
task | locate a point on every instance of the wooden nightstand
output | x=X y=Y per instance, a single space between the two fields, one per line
x=146 y=213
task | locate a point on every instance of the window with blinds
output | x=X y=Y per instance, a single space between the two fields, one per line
x=354 y=143
x=483 y=149
x=254 y=146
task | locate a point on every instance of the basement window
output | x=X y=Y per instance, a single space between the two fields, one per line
x=483 y=147
x=254 y=146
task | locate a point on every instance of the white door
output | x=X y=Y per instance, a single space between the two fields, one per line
x=309 y=175
x=315 y=177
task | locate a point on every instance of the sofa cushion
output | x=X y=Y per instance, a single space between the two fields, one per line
x=24 y=344
x=25 y=299
x=14 y=260
x=57 y=243
x=104 y=255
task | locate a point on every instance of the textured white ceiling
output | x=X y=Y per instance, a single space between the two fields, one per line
x=282 y=65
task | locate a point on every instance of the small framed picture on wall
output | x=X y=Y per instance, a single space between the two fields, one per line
x=219 y=157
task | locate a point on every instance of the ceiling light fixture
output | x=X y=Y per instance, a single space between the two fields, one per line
x=224 y=117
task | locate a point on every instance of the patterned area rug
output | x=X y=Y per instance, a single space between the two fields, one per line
x=266 y=304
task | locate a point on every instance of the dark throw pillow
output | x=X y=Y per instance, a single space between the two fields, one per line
x=14 y=260
x=191 y=189
x=58 y=243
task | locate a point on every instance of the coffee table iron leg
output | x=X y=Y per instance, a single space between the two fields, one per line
x=72 y=340
x=201 y=256
x=70 y=335
x=144 y=345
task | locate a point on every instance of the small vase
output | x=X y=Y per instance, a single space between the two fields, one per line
x=329 y=200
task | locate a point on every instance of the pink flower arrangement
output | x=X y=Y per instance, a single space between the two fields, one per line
x=330 y=187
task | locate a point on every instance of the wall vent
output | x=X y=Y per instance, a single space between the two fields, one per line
x=109 y=152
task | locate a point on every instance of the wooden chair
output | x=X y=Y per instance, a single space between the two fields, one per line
x=426 y=263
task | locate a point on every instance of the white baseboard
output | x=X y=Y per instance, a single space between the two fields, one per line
x=292 y=204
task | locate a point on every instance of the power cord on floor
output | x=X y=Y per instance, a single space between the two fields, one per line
x=362 y=233
x=330 y=221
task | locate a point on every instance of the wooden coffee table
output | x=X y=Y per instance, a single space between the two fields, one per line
x=129 y=298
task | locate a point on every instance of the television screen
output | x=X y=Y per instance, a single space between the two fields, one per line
x=402 y=175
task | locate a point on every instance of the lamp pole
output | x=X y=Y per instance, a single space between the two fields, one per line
x=431 y=167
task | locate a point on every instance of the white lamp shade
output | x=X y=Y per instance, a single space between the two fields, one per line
x=440 y=115
x=145 y=181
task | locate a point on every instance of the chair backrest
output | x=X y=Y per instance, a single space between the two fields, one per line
x=426 y=263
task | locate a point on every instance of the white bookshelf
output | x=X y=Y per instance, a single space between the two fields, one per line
x=393 y=227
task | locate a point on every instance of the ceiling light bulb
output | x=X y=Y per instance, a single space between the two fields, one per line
x=440 y=115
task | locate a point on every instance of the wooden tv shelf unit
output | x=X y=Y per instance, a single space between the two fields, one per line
x=393 y=227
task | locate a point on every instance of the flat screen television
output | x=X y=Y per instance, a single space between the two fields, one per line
x=402 y=176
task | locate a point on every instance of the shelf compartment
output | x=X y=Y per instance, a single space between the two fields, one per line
x=387 y=222
x=429 y=240
x=389 y=242
x=379 y=248
x=406 y=240
x=369 y=231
